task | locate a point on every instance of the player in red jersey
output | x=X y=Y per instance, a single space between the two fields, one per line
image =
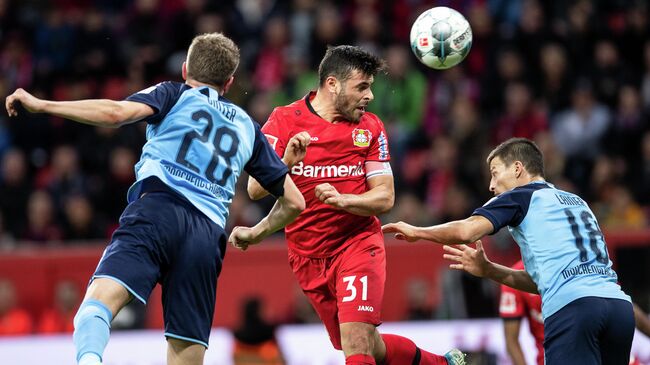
x=515 y=305
x=336 y=247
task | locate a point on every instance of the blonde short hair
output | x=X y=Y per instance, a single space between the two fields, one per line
x=212 y=58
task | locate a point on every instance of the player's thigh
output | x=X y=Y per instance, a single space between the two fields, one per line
x=618 y=332
x=360 y=279
x=571 y=334
x=136 y=253
x=311 y=275
x=189 y=282
x=181 y=352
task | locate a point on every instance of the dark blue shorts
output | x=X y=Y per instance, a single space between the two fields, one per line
x=590 y=331
x=164 y=239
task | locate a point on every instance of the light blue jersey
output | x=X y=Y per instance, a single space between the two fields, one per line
x=198 y=143
x=561 y=244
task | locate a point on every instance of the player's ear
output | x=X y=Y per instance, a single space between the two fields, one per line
x=228 y=84
x=184 y=70
x=519 y=168
x=331 y=84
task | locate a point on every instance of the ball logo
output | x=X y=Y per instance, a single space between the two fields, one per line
x=423 y=42
x=361 y=137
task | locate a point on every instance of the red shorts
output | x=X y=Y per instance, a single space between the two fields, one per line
x=346 y=287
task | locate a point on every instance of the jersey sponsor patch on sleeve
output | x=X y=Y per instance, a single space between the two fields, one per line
x=273 y=140
x=383 y=146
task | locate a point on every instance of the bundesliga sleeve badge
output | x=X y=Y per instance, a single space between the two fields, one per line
x=361 y=137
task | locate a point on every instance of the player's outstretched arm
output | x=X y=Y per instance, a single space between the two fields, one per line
x=463 y=231
x=97 y=112
x=295 y=152
x=476 y=262
x=285 y=210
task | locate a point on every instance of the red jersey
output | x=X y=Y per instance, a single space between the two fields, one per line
x=337 y=155
x=516 y=304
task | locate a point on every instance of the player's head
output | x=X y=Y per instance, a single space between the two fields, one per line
x=513 y=163
x=347 y=72
x=212 y=59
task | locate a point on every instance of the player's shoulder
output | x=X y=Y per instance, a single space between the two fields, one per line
x=525 y=191
x=288 y=114
x=293 y=110
x=371 y=120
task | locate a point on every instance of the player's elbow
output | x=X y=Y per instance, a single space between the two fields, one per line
x=387 y=202
x=255 y=191
x=115 y=116
x=295 y=204
x=465 y=234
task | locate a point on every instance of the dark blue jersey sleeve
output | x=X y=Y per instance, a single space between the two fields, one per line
x=161 y=98
x=507 y=209
x=265 y=165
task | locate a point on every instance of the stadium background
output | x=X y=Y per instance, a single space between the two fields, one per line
x=572 y=75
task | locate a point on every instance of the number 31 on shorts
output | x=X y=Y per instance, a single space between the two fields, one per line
x=353 y=290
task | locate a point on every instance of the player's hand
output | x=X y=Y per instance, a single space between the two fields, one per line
x=329 y=195
x=474 y=261
x=296 y=149
x=403 y=231
x=242 y=237
x=31 y=103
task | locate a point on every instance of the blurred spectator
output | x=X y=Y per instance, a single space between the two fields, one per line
x=578 y=132
x=641 y=180
x=255 y=338
x=418 y=300
x=269 y=72
x=118 y=179
x=14 y=321
x=608 y=72
x=80 y=220
x=301 y=24
x=300 y=311
x=54 y=43
x=400 y=99
x=521 y=117
x=328 y=30
x=555 y=86
x=59 y=317
x=645 y=88
x=617 y=210
x=628 y=124
x=63 y=177
x=15 y=188
x=41 y=226
x=7 y=240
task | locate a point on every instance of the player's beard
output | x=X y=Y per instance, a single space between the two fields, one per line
x=347 y=108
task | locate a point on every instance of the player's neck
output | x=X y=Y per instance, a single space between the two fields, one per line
x=323 y=105
x=194 y=83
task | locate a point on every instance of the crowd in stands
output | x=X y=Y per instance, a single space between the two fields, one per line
x=572 y=75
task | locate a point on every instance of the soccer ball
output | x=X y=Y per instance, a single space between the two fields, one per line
x=441 y=37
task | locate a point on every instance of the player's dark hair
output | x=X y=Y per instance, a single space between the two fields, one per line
x=523 y=150
x=212 y=59
x=340 y=61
